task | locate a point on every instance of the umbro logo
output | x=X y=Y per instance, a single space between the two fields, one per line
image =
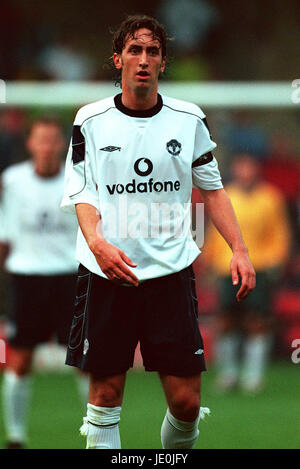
x=199 y=351
x=86 y=346
x=110 y=148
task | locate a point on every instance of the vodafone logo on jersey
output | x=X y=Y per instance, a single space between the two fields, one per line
x=143 y=167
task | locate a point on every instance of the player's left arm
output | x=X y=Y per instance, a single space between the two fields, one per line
x=221 y=212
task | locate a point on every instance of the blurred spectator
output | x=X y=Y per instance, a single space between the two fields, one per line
x=286 y=301
x=37 y=248
x=245 y=329
x=198 y=16
x=64 y=60
x=282 y=168
x=11 y=136
x=209 y=32
x=189 y=36
x=243 y=136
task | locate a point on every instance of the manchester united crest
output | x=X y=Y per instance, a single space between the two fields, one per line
x=174 y=147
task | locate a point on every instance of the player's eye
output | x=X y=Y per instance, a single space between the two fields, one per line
x=154 y=51
x=134 y=50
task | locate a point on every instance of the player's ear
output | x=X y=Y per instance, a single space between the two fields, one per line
x=117 y=60
x=163 y=65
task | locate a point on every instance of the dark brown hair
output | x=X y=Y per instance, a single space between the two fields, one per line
x=127 y=29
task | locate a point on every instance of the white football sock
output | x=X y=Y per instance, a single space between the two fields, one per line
x=257 y=350
x=177 y=434
x=101 y=427
x=15 y=394
x=227 y=346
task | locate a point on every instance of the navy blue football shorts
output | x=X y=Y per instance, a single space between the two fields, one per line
x=109 y=321
x=41 y=308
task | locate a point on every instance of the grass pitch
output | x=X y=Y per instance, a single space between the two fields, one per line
x=237 y=421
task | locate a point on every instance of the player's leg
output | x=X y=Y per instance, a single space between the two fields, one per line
x=102 y=342
x=227 y=345
x=107 y=391
x=20 y=360
x=27 y=327
x=103 y=411
x=257 y=327
x=228 y=337
x=182 y=395
x=180 y=426
x=16 y=395
x=171 y=344
x=257 y=346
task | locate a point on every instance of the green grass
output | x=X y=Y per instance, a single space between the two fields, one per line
x=268 y=420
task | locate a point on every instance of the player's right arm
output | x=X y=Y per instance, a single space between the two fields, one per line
x=111 y=259
x=81 y=195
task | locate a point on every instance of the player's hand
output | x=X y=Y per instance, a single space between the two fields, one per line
x=112 y=262
x=241 y=268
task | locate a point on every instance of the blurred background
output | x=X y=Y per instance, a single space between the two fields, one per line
x=241 y=45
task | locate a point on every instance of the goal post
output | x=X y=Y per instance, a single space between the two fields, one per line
x=229 y=95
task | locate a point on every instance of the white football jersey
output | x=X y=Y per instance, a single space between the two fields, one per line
x=42 y=239
x=138 y=169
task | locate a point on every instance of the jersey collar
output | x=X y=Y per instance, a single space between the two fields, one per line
x=134 y=113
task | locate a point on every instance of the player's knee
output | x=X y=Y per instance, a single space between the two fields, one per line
x=185 y=405
x=226 y=324
x=106 y=396
x=255 y=324
x=20 y=369
x=20 y=363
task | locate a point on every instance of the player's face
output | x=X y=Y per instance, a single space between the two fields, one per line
x=45 y=143
x=246 y=171
x=141 y=62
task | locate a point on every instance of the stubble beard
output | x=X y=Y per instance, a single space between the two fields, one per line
x=143 y=91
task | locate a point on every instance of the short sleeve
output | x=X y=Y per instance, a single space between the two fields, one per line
x=205 y=170
x=203 y=142
x=80 y=185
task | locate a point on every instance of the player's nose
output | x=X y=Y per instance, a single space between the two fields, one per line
x=144 y=59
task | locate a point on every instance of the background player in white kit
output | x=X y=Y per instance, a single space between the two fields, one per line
x=41 y=263
x=141 y=148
